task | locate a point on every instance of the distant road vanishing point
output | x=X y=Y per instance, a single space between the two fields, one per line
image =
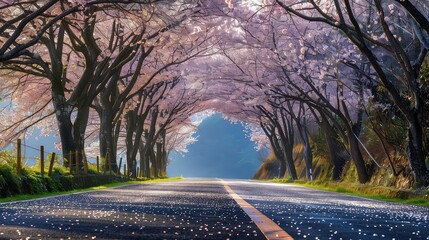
x=211 y=209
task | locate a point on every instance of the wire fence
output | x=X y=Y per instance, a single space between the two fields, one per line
x=76 y=162
x=35 y=154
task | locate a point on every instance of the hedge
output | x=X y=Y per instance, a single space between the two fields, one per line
x=31 y=182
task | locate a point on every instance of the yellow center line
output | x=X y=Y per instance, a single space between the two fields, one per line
x=269 y=228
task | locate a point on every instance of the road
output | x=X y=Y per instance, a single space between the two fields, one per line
x=206 y=209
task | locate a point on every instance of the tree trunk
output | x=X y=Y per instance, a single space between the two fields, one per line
x=158 y=159
x=65 y=127
x=308 y=158
x=107 y=146
x=164 y=161
x=129 y=143
x=154 y=165
x=416 y=155
x=357 y=157
x=116 y=132
x=147 y=162
x=282 y=169
x=63 y=109
x=290 y=163
x=163 y=157
x=133 y=139
x=279 y=155
x=149 y=145
x=308 y=155
x=337 y=153
x=79 y=129
x=72 y=134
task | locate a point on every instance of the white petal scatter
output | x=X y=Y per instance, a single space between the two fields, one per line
x=202 y=209
x=319 y=214
x=182 y=210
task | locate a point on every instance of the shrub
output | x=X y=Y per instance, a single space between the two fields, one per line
x=92 y=168
x=342 y=190
x=50 y=184
x=64 y=183
x=60 y=170
x=31 y=182
x=57 y=169
x=9 y=181
x=318 y=145
x=8 y=158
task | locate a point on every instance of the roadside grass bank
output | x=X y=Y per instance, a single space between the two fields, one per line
x=418 y=197
x=34 y=181
x=21 y=197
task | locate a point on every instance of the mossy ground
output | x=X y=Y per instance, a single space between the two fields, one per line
x=413 y=197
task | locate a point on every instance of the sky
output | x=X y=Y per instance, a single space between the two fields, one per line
x=222 y=150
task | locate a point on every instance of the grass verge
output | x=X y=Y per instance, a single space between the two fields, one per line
x=412 y=197
x=21 y=197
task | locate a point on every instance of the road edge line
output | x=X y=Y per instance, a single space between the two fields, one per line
x=61 y=195
x=75 y=193
x=269 y=228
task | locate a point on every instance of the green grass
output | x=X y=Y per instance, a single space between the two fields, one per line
x=412 y=201
x=351 y=189
x=21 y=197
x=342 y=190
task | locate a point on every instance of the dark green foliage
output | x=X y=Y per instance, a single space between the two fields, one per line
x=92 y=171
x=8 y=158
x=9 y=181
x=86 y=181
x=424 y=77
x=31 y=182
x=319 y=145
x=425 y=92
x=50 y=184
x=60 y=170
x=64 y=183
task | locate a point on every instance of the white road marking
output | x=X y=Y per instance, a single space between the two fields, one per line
x=269 y=228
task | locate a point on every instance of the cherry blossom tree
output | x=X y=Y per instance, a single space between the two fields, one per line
x=136 y=117
x=400 y=25
x=291 y=65
x=80 y=59
x=135 y=71
x=25 y=22
x=158 y=51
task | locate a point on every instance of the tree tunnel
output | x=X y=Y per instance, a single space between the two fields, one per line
x=124 y=78
x=221 y=150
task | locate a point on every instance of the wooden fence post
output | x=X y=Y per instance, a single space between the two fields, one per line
x=138 y=172
x=51 y=165
x=98 y=164
x=42 y=161
x=125 y=170
x=18 y=157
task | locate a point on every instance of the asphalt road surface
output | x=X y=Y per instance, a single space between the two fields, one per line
x=205 y=209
